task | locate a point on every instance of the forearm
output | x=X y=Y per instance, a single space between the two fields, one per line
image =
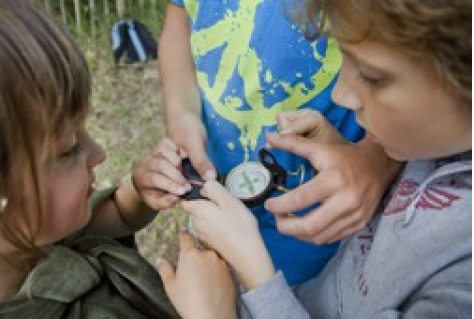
x=119 y=214
x=253 y=266
x=131 y=209
x=179 y=86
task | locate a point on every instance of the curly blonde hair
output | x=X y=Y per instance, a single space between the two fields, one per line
x=437 y=32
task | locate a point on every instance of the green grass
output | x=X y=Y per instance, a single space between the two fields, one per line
x=126 y=120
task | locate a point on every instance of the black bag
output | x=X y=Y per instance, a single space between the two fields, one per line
x=132 y=40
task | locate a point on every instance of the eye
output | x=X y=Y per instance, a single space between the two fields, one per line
x=73 y=151
x=370 y=80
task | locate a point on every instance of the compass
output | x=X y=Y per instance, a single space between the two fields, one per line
x=248 y=180
x=251 y=182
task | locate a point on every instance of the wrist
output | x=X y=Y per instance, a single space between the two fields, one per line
x=255 y=267
x=130 y=207
x=187 y=119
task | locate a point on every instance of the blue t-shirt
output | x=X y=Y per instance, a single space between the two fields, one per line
x=252 y=63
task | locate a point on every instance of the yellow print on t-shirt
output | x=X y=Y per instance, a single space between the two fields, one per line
x=233 y=33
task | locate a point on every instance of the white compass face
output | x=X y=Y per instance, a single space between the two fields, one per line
x=248 y=180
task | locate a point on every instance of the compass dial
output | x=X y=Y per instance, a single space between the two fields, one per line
x=248 y=180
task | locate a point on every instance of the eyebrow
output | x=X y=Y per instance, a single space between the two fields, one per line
x=344 y=51
x=363 y=63
x=350 y=55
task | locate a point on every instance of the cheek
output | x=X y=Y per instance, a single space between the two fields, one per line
x=66 y=211
x=400 y=136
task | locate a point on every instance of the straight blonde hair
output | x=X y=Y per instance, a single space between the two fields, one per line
x=45 y=80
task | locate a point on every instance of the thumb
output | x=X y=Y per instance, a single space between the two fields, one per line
x=201 y=162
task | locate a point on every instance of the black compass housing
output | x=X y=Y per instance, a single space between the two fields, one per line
x=267 y=162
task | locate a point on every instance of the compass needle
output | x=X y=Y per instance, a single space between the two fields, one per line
x=249 y=183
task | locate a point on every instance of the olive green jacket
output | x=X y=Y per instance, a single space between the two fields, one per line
x=88 y=276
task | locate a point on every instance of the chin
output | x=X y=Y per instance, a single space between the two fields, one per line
x=396 y=155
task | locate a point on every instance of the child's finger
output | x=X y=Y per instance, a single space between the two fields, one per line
x=284 y=118
x=166 y=145
x=218 y=194
x=158 y=182
x=201 y=162
x=170 y=153
x=282 y=121
x=182 y=153
x=167 y=273
x=156 y=200
x=295 y=144
x=300 y=126
x=165 y=175
x=301 y=197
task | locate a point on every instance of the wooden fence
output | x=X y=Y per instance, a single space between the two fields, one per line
x=87 y=14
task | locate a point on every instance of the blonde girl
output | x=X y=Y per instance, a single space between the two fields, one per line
x=58 y=258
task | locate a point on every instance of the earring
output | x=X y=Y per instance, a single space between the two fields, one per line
x=3 y=204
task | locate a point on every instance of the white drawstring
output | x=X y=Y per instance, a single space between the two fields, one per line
x=453 y=168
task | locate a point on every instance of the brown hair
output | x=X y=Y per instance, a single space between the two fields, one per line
x=435 y=31
x=45 y=80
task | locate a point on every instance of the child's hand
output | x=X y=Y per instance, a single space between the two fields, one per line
x=201 y=286
x=190 y=136
x=158 y=178
x=308 y=123
x=226 y=225
x=350 y=182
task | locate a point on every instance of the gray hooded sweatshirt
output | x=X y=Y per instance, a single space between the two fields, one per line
x=413 y=260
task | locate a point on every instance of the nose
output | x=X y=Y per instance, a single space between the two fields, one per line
x=344 y=95
x=96 y=154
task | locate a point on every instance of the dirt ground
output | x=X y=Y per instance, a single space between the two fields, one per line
x=127 y=121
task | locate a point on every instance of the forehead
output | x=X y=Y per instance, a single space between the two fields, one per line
x=385 y=58
x=373 y=53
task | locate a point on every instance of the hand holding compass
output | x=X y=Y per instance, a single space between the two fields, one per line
x=251 y=182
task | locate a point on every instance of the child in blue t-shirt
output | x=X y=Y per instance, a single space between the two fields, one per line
x=229 y=69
